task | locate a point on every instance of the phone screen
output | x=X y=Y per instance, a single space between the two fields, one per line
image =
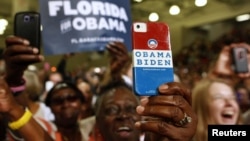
x=240 y=63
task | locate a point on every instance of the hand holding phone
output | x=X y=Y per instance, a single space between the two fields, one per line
x=152 y=57
x=27 y=25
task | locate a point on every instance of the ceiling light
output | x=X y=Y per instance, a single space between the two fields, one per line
x=138 y=1
x=174 y=10
x=3 y=22
x=3 y=25
x=200 y=3
x=243 y=17
x=153 y=17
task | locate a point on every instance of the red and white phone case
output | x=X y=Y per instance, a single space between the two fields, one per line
x=152 y=57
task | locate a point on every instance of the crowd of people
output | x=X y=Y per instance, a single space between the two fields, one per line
x=41 y=105
x=118 y=113
x=202 y=52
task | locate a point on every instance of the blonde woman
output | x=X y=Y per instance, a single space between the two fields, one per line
x=214 y=102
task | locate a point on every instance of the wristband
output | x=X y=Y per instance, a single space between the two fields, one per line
x=21 y=121
x=18 y=88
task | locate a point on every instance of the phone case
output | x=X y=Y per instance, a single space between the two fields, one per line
x=152 y=57
x=27 y=25
x=240 y=63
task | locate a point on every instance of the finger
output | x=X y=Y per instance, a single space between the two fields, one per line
x=22 y=59
x=171 y=112
x=117 y=47
x=122 y=47
x=241 y=45
x=244 y=75
x=114 y=51
x=2 y=92
x=20 y=49
x=169 y=100
x=166 y=130
x=10 y=40
x=160 y=127
x=114 y=54
x=175 y=88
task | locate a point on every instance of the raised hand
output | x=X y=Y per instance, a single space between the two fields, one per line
x=169 y=115
x=223 y=65
x=119 y=56
x=18 y=55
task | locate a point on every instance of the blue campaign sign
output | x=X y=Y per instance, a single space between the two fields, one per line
x=84 y=25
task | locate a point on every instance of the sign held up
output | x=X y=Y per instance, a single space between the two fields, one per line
x=84 y=25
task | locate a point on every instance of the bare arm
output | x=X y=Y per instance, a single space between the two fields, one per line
x=30 y=130
x=18 y=55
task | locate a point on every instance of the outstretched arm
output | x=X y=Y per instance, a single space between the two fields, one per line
x=18 y=55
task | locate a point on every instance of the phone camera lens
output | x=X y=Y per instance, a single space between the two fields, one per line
x=137 y=26
x=26 y=18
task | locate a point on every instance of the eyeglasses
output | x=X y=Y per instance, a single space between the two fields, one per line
x=61 y=100
x=115 y=109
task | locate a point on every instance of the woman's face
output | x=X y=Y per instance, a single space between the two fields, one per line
x=66 y=105
x=117 y=116
x=223 y=106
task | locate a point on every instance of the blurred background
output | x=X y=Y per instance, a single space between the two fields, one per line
x=197 y=27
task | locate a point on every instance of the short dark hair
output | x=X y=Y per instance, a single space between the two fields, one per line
x=62 y=85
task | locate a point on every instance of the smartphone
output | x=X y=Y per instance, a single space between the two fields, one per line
x=239 y=58
x=152 y=57
x=27 y=25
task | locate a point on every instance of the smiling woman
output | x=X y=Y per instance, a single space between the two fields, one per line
x=214 y=102
x=65 y=101
x=116 y=114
